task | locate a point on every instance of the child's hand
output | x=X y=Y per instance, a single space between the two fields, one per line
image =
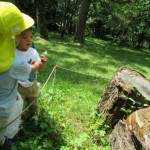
x=38 y=65
x=43 y=59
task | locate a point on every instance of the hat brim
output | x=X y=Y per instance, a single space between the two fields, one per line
x=28 y=22
x=8 y=47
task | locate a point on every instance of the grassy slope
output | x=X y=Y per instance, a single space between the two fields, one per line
x=72 y=99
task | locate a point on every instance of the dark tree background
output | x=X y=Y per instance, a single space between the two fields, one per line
x=125 y=22
x=40 y=18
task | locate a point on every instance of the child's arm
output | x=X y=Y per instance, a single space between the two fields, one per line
x=38 y=65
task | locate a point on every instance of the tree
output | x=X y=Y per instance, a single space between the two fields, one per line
x=79 y=36
x=41 y=20
x=68 y=12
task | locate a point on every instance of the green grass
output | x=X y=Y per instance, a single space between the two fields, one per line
x=69 y=101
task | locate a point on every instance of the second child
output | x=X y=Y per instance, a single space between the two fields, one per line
x=29 y=89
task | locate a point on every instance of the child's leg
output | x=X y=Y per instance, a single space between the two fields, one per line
x=30 y=95
x=34 y=108
x=22 y=91
x=33 y=98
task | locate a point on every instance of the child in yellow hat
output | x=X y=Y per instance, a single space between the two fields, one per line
x=12 y=68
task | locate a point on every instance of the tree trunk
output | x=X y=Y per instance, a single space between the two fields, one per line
x=120 y=139
x=127 y=92
x=133 y=133
x=41 y=21
x=79 y=37
x=123 y=105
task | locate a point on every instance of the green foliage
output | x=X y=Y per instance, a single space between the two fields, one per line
x=68 y=103
x=126 y=22
x=123 y=21
x=135 y=104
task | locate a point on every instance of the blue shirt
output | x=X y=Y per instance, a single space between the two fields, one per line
x=9 y=84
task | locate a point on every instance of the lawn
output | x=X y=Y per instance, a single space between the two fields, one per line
x=69 y=99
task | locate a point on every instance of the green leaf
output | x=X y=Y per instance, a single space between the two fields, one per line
x=132 y=100
x=146 y=105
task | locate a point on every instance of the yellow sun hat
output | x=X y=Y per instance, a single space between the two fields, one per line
x=12 y=23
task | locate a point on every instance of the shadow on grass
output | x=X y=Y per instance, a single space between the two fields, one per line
x=118 y=53
x=46 y=136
